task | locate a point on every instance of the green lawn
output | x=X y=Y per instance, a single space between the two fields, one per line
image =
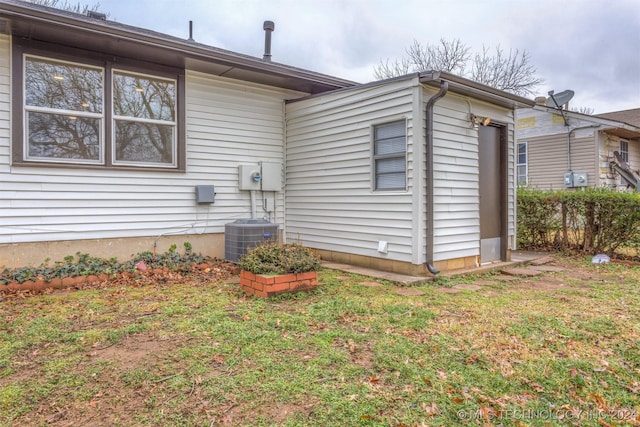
x=559 y=349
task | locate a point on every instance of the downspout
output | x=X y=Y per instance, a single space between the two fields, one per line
x=444 y=87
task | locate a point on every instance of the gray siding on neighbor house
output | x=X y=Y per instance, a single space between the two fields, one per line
x=228 y=123
x=547 y=159
x=330 y=202
x=456 y=175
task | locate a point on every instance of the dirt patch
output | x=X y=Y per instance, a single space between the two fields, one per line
x=410 y=292
x=133 y=350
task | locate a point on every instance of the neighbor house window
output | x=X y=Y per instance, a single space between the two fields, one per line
x=390 y=156
x=96 y=113
x=624 y=150
x=521 y=165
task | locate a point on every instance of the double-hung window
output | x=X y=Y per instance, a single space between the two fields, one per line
x=97 y=113
x=390 y=156
x=521 y=165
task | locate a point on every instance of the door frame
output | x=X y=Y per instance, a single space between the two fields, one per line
x=503 y=198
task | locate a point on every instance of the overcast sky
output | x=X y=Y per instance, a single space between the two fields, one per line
x=589 y=46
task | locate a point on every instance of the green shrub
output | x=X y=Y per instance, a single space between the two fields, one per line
x=273 y=258
x=86 y=265
x=594 y=220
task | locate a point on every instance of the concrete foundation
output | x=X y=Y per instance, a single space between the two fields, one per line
x=406 y=268
x=15 y=255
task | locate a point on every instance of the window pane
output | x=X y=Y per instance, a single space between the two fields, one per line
x=522 y=158
x=144 y=97
x=522 y=148
x=391 y=173
x=64 y=86
x=624 y=151
x=57 y=136
x=144 y=142
x=392 y=181
x=522 y=175
x=391 y=130
x=390 y=146
x=396 y=164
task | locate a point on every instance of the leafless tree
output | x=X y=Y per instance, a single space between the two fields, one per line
x=583 y=110
x=512 y=72
x=451 y=56
x=66 y=5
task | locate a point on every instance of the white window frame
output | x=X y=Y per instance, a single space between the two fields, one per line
x=525 y=164
x=173 y=123
x=26 y=109
x=624 y=150
x=376 y=157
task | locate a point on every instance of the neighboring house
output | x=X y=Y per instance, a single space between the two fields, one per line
x=111 y=137
x=554 y=153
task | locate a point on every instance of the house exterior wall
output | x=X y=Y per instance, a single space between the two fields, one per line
x=548 y=161
x=227 y=124
x=331 y=205
x=330 y=202
x=456 y=231
x=546 y=136
x=608 y=144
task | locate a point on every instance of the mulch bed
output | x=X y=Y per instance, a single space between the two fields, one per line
x=199 y=273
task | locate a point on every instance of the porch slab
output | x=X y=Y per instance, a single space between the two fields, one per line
x=518 y=258
x=377 y=274
x=528 y=272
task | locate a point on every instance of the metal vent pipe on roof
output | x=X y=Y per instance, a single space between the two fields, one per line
x=268 y=27
x=191 y=31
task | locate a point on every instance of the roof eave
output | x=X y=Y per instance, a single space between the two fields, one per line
x=476 y=90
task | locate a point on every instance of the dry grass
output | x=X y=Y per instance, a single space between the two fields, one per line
x=559 y=349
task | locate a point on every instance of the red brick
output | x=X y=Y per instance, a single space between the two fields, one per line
x=261 y=294
x=278 y=287
x=247 y=275
x=257 y=286
x=306 y=276
x=285 y=278
x=267 y=280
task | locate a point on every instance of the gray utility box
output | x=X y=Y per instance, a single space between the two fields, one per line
x=244 y=234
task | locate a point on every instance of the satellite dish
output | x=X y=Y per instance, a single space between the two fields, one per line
x=559 y=99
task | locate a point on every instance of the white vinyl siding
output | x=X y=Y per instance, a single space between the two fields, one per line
x=456 y=232
x=228 y=123
x=330 y=201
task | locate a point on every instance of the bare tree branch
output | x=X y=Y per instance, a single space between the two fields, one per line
x=70 y=7
x=512 y=73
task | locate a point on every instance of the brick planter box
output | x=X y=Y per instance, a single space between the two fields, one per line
x=265 y=286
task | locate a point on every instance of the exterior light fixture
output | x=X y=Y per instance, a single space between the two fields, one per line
x=479 y=120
